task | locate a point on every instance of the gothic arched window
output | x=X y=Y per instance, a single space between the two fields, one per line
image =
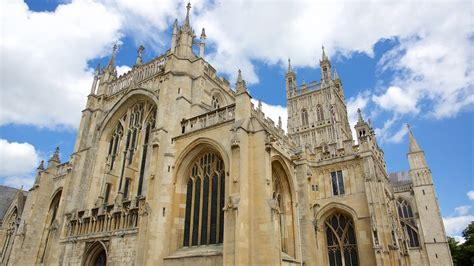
x=134 y=128
x=319 y=112
x=10 y=226
x=304 y=117
x=205 y=190
x=114 y=142
x=408 y=222
x=283 y=208
x=341 y=240
x=51 y=224
x=128 y=146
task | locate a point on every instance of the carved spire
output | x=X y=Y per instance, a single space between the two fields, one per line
x=186 y=20
x=175 y=34
x=202 y=43
x=324 y=56
x=259 y=105
x=110 y=73
x=325 y=65
x=111 y=64
x=413 y=145
x=239 y=76
x=139 y=60
x=359 y=115
x=279 y=122
x=336 y=76
x=240 y=85
x=97 y=70
x=184 y=38
x=175 y=26
x=41 y=166
x=290 y=69
x=55 y=156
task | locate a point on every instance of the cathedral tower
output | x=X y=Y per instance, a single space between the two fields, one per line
x=429 y=213
x=317 y=114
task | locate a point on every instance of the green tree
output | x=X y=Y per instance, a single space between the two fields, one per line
x=463 y=254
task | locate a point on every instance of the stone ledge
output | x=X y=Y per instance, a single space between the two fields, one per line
x=201 y=251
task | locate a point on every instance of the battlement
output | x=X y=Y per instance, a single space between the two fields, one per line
x=270 y=124
x=212 y=73
x=137 y=75
x=313 y=86
x=206 y=120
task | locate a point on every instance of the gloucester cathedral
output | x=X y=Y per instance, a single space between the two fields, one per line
x=174 y=166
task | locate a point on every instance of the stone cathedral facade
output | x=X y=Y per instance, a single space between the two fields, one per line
x=173 y=166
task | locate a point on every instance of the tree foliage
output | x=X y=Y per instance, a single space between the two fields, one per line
x=463 y=254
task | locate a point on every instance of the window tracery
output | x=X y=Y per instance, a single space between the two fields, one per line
x=10 y=224
x=130 y=138
x=408 y=222
x=304 y=117
x=341 y=240
x=205 y=191
x=51 y=224
x=319 y=113
x=283 y=204
x=114 y=143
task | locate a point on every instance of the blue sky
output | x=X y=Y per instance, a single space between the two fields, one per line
x=399 y=62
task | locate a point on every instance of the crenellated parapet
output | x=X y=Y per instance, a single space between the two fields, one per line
x=138 y=75
x=209 y=119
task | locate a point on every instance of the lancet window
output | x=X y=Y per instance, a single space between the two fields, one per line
x=283 y=205
x=128 y=149
x=51 y=225
x=114 y=142
x=319 y=113
x=337 y=183
x=205 y=191
x=10 y=225
x=304 y=117
x=134 y=129
x=407 y=220
x=279 y=198
x=341 y=240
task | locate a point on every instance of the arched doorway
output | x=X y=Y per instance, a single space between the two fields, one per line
x=101 y=259
x=96 y=255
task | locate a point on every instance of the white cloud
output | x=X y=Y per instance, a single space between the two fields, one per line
x=386 y=134
x=470 y=195
x=44 y=72
x=459 y=239
x=17 y=158
x=45 y=54
x=462 y=210
x=354 y=103
x=398 y=136
x=17 y=182
x=455 y=225
x=17 y=162
x=397 y=100
x=123 y=69
x=274 y=112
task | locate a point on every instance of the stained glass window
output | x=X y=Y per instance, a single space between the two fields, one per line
x=204 y=215
x=341 y=240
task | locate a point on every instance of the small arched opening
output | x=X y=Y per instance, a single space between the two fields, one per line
x=96 y=255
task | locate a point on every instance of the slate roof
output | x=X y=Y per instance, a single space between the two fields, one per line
x=400 y=178
x=7 y=194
